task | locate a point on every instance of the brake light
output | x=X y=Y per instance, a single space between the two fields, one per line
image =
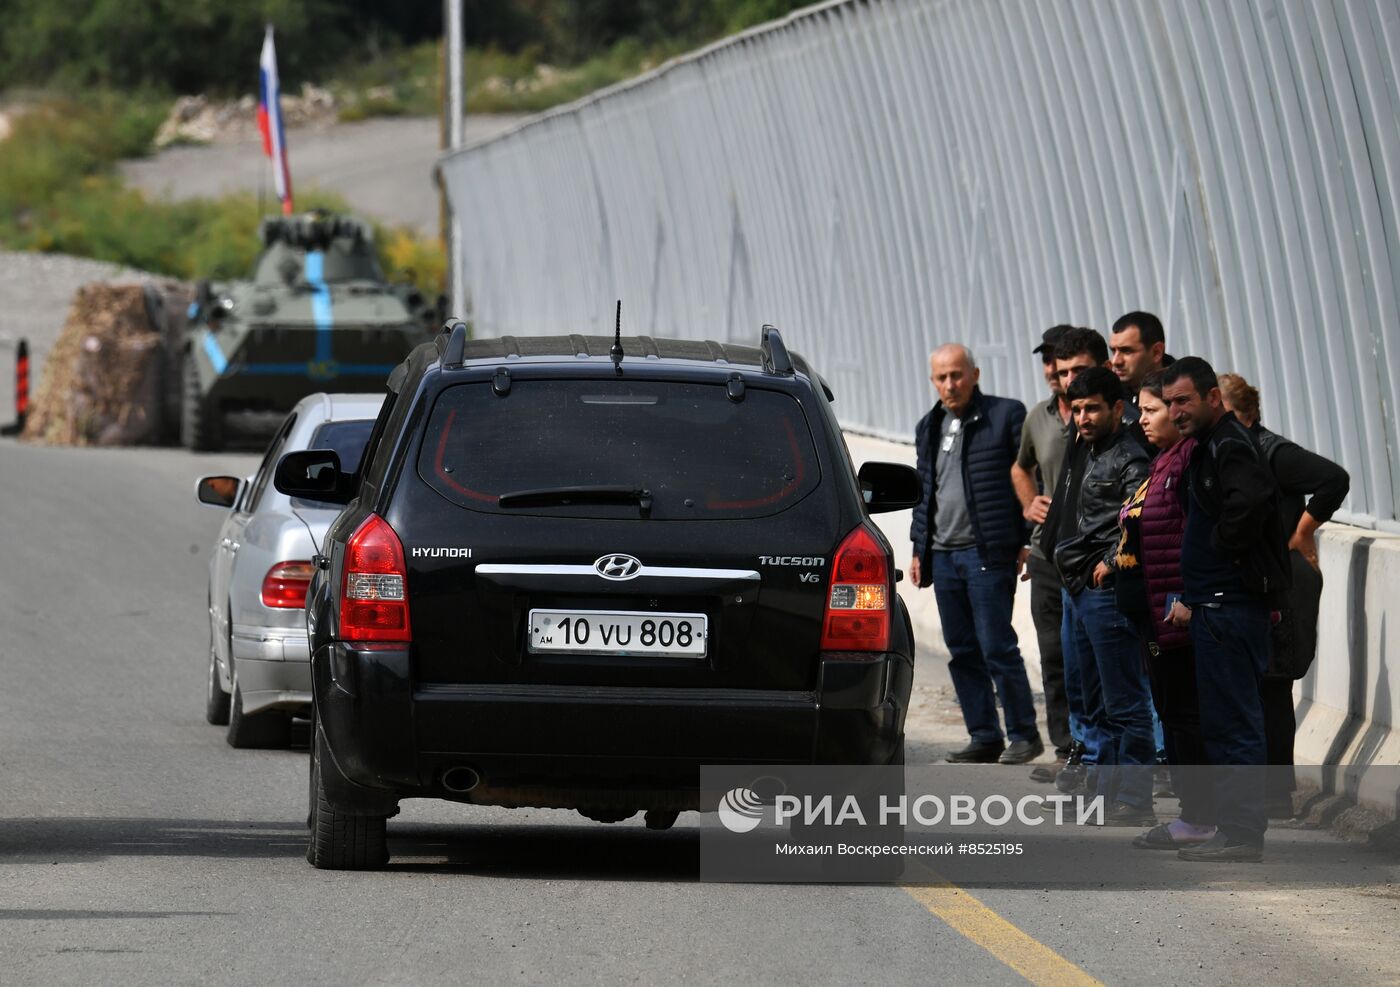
x=858 y=601
x=284 y=587
x=374 y=599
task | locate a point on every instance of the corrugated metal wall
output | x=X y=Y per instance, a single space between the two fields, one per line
x=880 y=177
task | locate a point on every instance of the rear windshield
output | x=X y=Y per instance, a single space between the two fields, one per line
x=698 y=454
x=348 y=439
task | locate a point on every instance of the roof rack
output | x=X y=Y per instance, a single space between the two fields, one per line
x=775 y=354
x=454 y=332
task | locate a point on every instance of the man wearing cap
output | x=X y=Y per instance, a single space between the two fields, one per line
x=1044 y=439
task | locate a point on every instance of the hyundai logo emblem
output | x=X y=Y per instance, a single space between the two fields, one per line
x=618 y=567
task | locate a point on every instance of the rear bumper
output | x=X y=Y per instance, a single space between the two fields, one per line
x=274 y=685
x=570 y=746
x=273 y=667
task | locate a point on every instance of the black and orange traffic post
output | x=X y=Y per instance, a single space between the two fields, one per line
x=21 y=389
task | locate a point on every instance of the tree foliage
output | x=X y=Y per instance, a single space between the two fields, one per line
x=186 y=46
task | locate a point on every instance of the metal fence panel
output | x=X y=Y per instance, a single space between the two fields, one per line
x=883 y=176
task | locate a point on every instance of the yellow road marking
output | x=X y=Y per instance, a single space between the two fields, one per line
x=967 y=916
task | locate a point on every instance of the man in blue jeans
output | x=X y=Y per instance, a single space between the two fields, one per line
x=1235 y=566
x=1104 y=468
x=969 y=540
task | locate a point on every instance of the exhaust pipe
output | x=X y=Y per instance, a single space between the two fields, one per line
x=460 y=780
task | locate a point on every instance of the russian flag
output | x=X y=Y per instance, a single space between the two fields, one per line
x=270 y=121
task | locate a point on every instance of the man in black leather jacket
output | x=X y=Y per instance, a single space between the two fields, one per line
x=1234 y=562
x=1104 y=468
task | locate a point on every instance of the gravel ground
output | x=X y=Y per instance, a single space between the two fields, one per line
x=35 y=293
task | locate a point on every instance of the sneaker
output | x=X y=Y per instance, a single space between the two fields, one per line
x=975 y=753
x=1123 y=814
x=1220 y=848
x=1022 y=751
x=1070 y=779
x=1045 y=773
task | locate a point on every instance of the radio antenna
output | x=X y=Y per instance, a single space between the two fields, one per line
x=616 y=351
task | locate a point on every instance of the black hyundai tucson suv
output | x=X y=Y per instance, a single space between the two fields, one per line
x=574 y=569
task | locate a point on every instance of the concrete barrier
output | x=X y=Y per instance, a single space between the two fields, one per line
x=1348 y=743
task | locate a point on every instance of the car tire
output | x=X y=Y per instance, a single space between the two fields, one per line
x=200 y=425
x=341 y=840
x=897 y=758
x=216 y=700
x=258 y=731
x=313 y=783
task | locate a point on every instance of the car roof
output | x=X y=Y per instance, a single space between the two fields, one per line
x=554 y=349
x=339 y=407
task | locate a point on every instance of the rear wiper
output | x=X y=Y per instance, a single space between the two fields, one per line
x=570 y=496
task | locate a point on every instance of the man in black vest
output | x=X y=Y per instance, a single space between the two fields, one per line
x=968 y=537
x=1234 y=561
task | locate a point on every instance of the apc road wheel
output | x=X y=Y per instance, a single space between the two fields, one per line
x=201 y=428
x=270 y=729
x=339 y=840
x=216 y=700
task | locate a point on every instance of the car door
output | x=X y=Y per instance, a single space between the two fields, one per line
x=232 y=534
x=218 y=583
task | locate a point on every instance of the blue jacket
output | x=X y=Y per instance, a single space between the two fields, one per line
x=991 y=439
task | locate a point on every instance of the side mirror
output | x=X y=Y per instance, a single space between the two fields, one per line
x=313 y=475
x=889 y=487
x=218 y=491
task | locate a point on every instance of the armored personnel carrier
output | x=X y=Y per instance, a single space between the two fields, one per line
x=316 y=316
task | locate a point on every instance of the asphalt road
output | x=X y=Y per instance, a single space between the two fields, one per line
x=136 y=846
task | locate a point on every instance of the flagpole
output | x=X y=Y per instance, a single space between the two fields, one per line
x=456 y=111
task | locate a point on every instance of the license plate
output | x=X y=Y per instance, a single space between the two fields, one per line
x=618 y=632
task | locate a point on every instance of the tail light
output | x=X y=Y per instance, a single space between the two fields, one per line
x=374 y=598
x=858 y=601
x=284 y=587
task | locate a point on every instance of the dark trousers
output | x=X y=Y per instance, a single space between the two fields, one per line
x=974 y=597
x=1117 y=714
x=1232 y=652
x=1074 y=684
x=1047 y=612
x=1280 y=725
x=1173 y=677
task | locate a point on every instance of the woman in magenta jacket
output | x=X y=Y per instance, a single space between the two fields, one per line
x=1152 y=523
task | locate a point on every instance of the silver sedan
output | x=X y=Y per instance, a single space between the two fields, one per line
x=259 y=668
